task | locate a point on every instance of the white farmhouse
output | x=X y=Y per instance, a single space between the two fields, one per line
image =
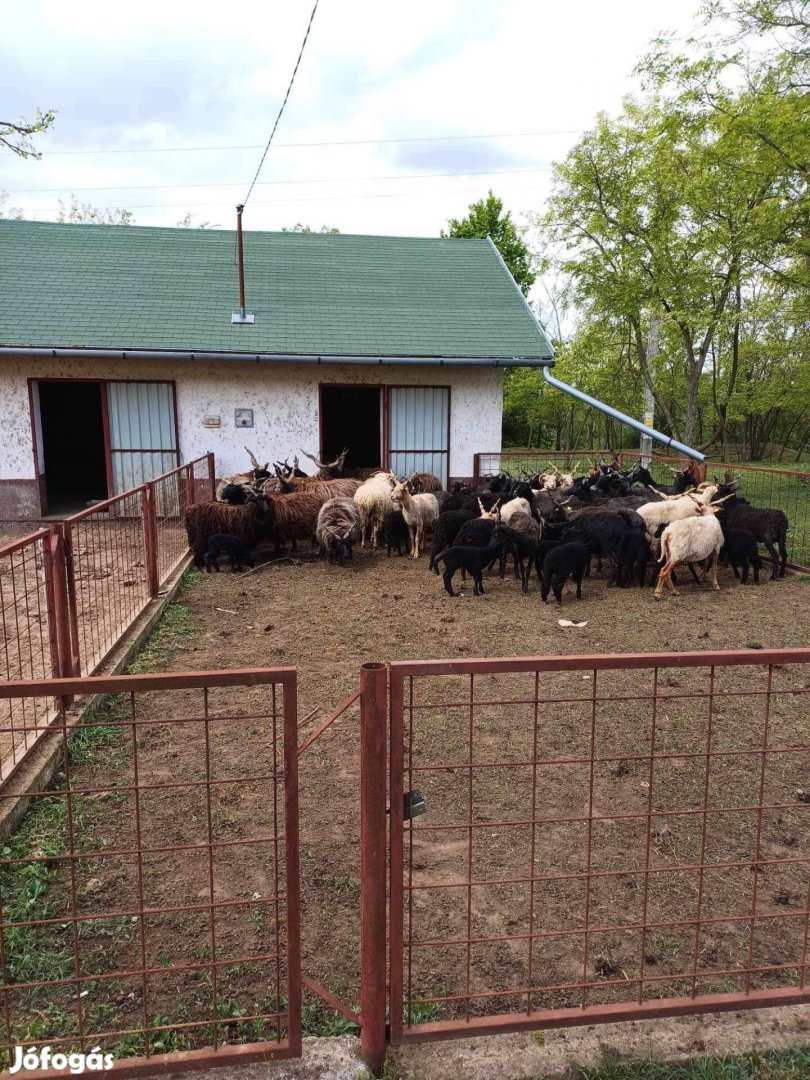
x=119 y=357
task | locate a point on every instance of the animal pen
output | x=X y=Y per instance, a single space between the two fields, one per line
x=545 y=841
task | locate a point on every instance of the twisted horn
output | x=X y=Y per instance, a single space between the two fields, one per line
x=253 y=460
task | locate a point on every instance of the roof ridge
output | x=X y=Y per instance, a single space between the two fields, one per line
x=184 y=231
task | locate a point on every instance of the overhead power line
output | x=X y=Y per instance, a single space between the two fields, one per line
x=330 y=142
x=284 y=102
x=271 y=183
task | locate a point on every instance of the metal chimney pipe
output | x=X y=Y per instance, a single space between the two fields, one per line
x=240 y=255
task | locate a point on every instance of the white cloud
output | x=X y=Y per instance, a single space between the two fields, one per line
x=159 y=75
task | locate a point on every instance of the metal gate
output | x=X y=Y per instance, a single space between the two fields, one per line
x=605 y=838
x=149 y=902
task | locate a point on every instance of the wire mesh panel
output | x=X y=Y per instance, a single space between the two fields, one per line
x=107 y=573
x=28 y=643
x=172 y=494
x=149 y=898
x=606 y=837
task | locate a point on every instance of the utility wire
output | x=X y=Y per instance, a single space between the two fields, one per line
x=273 y=183
x=304 y=145
x=284 y=102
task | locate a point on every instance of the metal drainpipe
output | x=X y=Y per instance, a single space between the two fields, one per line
x=609 y=411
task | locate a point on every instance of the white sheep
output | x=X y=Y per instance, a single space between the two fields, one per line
x=420 y=512
x=515 y=506
x=656 y=514
x=690 y=540
x=373 y=500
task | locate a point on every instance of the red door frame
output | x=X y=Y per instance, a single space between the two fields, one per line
x=105 y=425
x=385 y=410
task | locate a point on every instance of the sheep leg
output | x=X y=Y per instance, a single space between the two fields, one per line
x=732 y=562
x=557 y=588
x=448 y=581
x=478 y=582
x=782 y=552
x=744 y=564
x=524 y=576
x=697 y=580
x=578 y=579
x=756 y=562
x=774 y=559
x=714 y=570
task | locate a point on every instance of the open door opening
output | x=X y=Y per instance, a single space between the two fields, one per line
x=350 y=416
x=73 y=447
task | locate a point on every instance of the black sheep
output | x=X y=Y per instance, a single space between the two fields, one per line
x=523 y=545
x=740 y=545
x=472 y=560
x=768 y=526
x=565 y=560
x=236 y=550
x=447 y=528
x=632 y=556
x=395 y=531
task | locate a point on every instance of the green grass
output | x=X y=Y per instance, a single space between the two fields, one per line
x=793 y=1064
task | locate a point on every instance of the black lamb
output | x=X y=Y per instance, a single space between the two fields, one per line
x=395 y=531
x=740 y=545
x=225 y=543
x=446 y=530
x=522 y=541
x=564 y=561
x=632 y=556
x=472 y=560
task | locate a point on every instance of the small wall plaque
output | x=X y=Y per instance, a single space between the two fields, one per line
x=243 y=417
x=211 y=421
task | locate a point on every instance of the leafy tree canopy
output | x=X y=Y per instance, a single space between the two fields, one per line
x=299 y=228
x=487 y=218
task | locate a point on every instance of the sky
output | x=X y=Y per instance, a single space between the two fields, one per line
x=401 y=114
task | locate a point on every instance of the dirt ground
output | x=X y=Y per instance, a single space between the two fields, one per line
x=327 y=622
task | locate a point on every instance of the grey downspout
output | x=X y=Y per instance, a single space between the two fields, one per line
x=609 y=411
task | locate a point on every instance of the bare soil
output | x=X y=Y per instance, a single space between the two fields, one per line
x=327 y=622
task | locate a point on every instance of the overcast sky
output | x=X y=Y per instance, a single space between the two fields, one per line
x=163 y=76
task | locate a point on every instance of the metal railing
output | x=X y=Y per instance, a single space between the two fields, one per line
x=68 y=593
x=606 y=838
x=779 y=489
x=98 y=947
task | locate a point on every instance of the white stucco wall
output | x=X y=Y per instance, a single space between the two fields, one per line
x=284 y=399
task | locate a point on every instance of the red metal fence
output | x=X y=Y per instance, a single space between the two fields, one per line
x=606 y=838
x=780 y=489
x=100 y=948
x=68 y=593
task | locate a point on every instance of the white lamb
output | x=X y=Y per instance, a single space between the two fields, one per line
x=676 y=509
x=421 y=512
x=690 y=540
x=373 y=500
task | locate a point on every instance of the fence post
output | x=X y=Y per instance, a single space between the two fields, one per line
x=188 y=486
x=150 y=538
x=373 y=833
x=212 y=480
x=62 y=655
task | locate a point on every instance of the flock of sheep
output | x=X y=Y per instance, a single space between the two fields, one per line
x=551 y=521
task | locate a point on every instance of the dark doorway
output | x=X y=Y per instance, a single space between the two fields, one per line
x=350 y=416
x=73 y=443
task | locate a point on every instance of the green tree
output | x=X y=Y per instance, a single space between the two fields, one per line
x=487 y=218
x=18 y=136
x=299 y=228
x=76 y=213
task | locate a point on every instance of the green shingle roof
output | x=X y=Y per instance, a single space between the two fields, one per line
x=118 y=287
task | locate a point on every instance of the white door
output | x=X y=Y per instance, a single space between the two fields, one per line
x=418 y=430
x=143 y=433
